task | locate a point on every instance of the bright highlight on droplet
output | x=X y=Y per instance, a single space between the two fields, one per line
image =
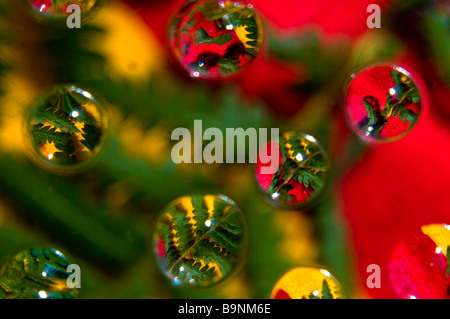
x=311 y=138
x=42 y=294
x=325 y=272
x=299 y=157
x=74 y=114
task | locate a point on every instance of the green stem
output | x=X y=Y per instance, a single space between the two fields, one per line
x=292 y=172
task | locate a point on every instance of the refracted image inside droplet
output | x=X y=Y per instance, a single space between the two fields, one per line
x=302 y=172
x=36 y=273
x=419 y=267
x=67 y=127
x=200 y=240
x=58 y=8
x=215 y=39
x=383 y=103
x=307 y=283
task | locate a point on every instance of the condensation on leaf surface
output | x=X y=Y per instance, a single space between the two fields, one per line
x=66 y=129
x=419 y=265
x=58 y=8
x=302 y=173
x=200 y=240
x=307 y=283
x=382 y=103
x=36 y=273
x=215 y=39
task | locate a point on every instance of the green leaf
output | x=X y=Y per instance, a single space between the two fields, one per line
x=407 y=115
x=51 y=114
x=220 y=40
x=308 y=179
x=326 y=292
x=370 y=112
x=201 y=36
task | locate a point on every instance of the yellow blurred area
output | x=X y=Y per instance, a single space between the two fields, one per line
x=19 y=93
x=131 y=49
x=152 y=144
x=235 y=289
x=298 y=244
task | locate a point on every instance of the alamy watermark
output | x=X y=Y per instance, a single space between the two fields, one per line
x=222 y=147
x=74 y=20
x=374 y=20
x=374 y=279
x=74 y=280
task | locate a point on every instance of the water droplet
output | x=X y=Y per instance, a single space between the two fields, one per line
x=418 y=267
x=215 y=40
x=36 y=273
x=302 y=172
x=382 y=103
x=66 y=129
x=200 y=240
x=307 y=283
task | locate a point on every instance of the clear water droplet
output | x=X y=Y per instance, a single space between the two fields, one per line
x=66 y=129
x=200 y=240
x=36 y=273
x=302 y=172
x=215 y=40
x=382 y=103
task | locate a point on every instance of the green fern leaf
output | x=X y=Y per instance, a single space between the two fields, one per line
x=326 y=291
